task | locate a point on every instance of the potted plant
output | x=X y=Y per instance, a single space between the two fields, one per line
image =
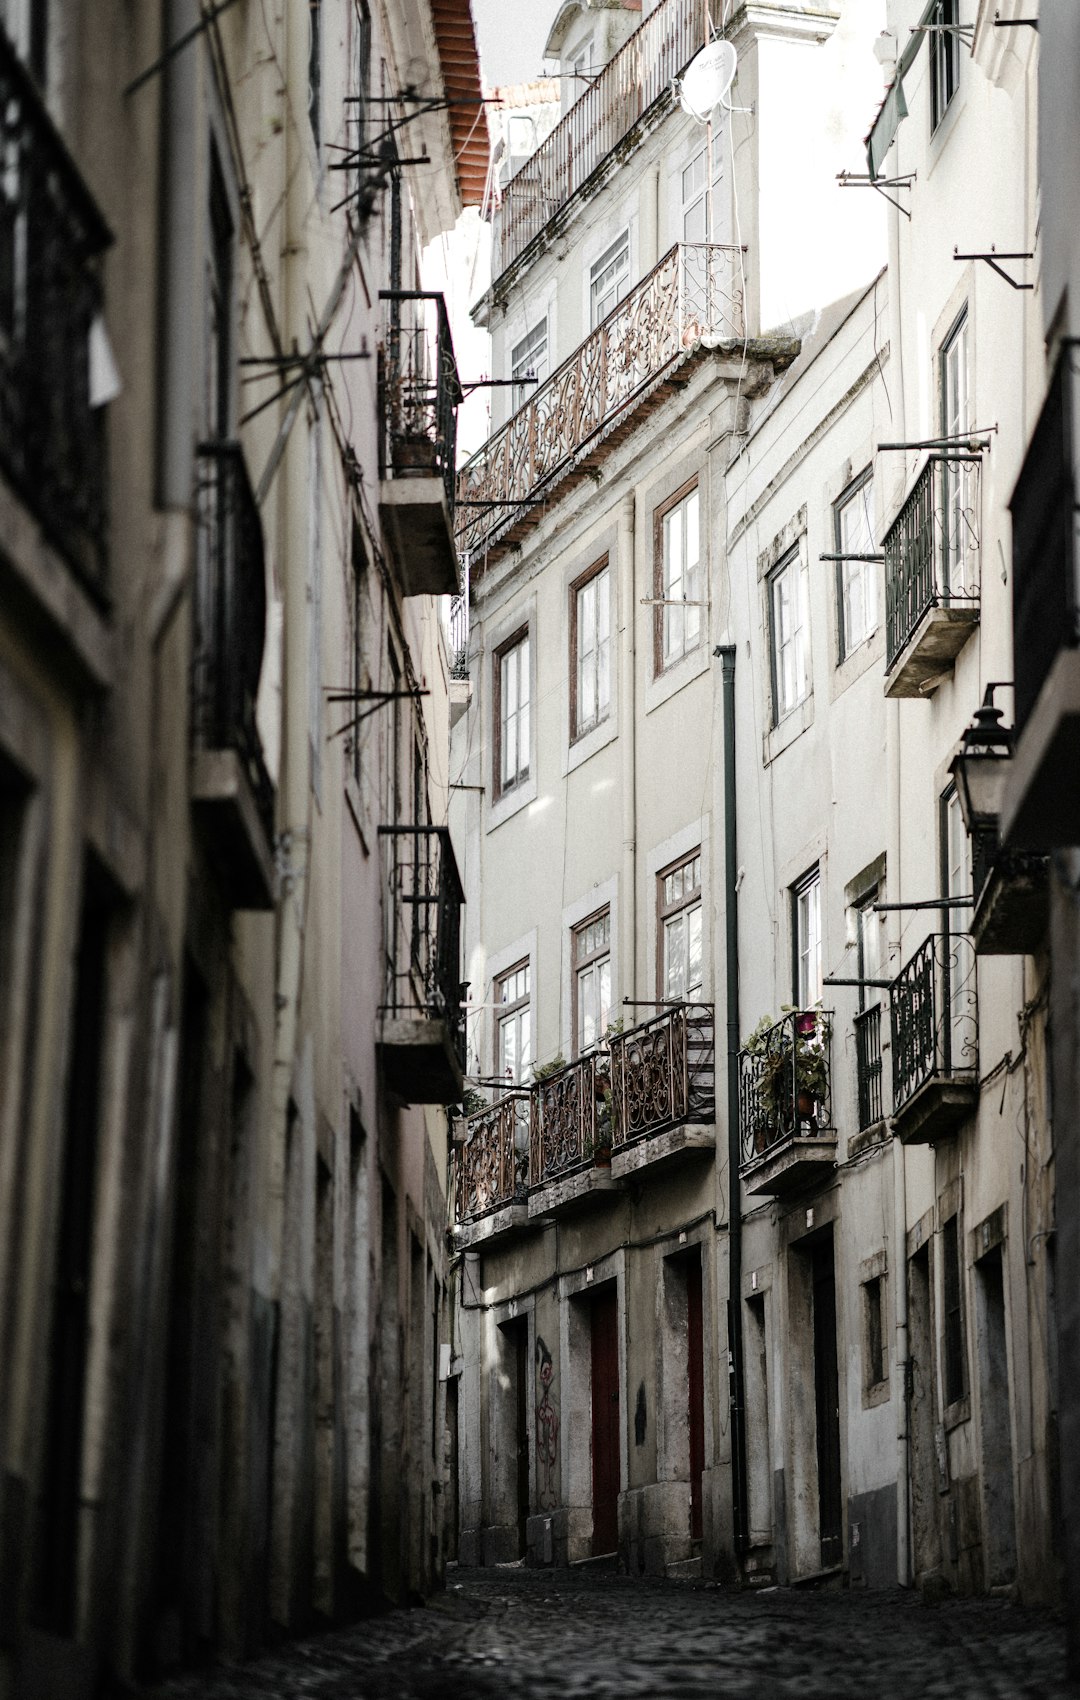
x=792 y=1075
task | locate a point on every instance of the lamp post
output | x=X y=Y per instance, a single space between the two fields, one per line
x=979 y=769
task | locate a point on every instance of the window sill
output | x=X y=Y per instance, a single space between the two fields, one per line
x=857 y=662
x=664 y=685
x=511 y=802
x=876 y=1394
x=958 y=1412
x=597 y=738
x=791 y=727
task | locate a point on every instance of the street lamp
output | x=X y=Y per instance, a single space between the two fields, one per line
x=979 y=769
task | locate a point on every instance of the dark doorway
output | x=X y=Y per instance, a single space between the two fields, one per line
x=994 y=1421
x=61 y=1476
x=521 y=1427
x=695 y=1343
x=827 y=1405
x=605 y=1420
x=925 y=1529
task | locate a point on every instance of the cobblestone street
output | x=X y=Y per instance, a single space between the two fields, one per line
x=512 y=1632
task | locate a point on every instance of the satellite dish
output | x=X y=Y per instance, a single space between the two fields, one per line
x=707 y=79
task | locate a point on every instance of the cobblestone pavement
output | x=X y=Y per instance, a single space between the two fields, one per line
x=564 y=1635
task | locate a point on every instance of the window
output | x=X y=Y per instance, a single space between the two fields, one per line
x=856 y=581
x=679 y=898
x=315 y=70
x=875 y=1363
x=806 y=937
x=677 y=578
x=868 y=1019
x=944 y=58
x=592 y=980
x=590 y=650
x=219 y=288
x=609 y=279
x=512 y=714
x=952 y=1310
x=694 y=191
x=790 y=627
x=958 y=553
x=529 y=358
x=954 y=848
x=513 y=1026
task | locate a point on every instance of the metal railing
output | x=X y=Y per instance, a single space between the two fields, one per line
x=567 y=1117
x=419 y=389
x=457 y=637
x=493 y=1160
x=230 y=617
x=689 y=299
x=868 y=1065
x=632 y=81
x=932 y=548
x=785 y=1082
x=1046 y=607
x=422 y=927
x=663 y=1072
x=934 y=1016
x=52 y=436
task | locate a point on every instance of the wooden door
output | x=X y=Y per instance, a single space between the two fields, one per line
x=827 y=1402
x=521 y=1371
x=695 y=1353
x=605 y=1421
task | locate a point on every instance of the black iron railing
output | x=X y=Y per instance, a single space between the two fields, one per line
x=663 y=1072
x=785 y=1082
x=230 y=617
x=934 y=1016
x=52 y=436
x=1046 y=611
x=419 y=389
x=458 y=637
x=868 y=1065
x=493 y=1160
x=422 y=927
x=932 y=549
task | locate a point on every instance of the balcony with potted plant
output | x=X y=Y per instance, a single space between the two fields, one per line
x=785 y=1103
x=491 y=1168
x=570 y=1149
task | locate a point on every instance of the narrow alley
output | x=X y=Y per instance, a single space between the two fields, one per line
x=506 y=1631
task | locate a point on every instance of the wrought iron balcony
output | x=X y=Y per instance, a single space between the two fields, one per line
x=934 y=1021
x=230 y=784
x=785 y=1103
x=690 y=300
x=632 y=82
x=868 y=1069
x=571 y=1118
x=419 y=393
x=663 y=1087
x=458 y=637
x=932 y=574
x=422 y=1032
x=492 y=1169
x=52 y=436
x=1040 y=809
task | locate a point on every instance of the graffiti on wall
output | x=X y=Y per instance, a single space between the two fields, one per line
x=547 y=1427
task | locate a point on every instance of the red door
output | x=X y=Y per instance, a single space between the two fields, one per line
x=695 y=1358
x=605 y=1421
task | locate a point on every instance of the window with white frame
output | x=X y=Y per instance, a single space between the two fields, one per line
x=789 y=624
x=513 y=1024
x=944 y=57
x=609 y=279
x=806 y=939
x=590 y=650
x=679 y=926
x=959 y=475
x=592 y=980
x=856 y=579
x=529 y=359
x=512 y=713
x=677 y=577
x=695 y=188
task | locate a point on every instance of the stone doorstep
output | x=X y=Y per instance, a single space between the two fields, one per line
x=656 y=1148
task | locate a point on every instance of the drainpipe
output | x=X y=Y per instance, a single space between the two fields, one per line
x=628 y=742
x=899 y=1283
x=740 y=1508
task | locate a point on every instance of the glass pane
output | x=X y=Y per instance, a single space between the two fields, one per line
x=691 y=507
x=693 y=952
x=674 y=957
x=603 y=682
x=673 y=552
x=525 y=1055
x=604 y=976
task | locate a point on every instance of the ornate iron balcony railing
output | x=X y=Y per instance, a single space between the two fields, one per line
x=663 y=1072
x=1046 y=606
x=785 y=1082
x=690 y=299
x=868 y=1065
x=230 y=617
x=457 y=638
x=419 y=389
x=422 y=928
x=493 y=1160
x=932 y=548
x=934 y=1016
x=569 y=1112
x=52 y=436
x=632 y=81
